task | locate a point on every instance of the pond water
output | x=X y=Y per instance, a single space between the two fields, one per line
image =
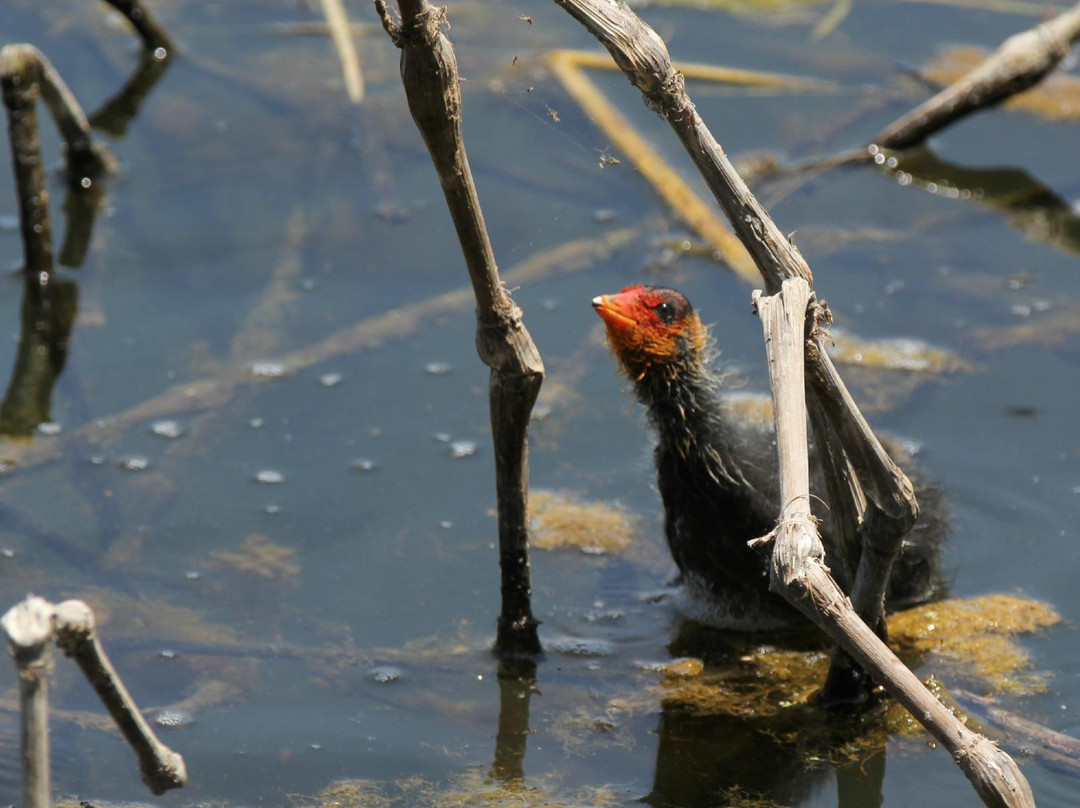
x=301 y=560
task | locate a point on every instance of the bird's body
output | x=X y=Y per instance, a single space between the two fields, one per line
x=718 y=482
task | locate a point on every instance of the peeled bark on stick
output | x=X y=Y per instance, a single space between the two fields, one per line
x=429 y=73
x=1021 y=62
x=800 y=575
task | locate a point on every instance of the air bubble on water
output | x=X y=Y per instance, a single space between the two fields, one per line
x=256 y=423
x=269 y=477
x=135 y=463
x=167 y=429
x=462 y=448
x=437 y=368
x=173 y=719
x=331 y=379
x=272 y=509
x=385 y=674
x=49 y=428
x=269 y=370
x=443 y=437
x=363 y=464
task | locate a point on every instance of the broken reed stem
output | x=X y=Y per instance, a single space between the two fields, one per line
x=153 y=35
x=27 y=75
x=162 y=769
x=1021 y=62
x=430 y=76
x=799 y=574
x=28 y=627
x=21 y=94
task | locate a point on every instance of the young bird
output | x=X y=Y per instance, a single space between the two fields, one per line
x=718 y=481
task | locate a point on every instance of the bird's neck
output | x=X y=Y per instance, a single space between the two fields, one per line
x=684 y=406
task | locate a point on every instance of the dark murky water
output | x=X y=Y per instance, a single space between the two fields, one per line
x=311 y=564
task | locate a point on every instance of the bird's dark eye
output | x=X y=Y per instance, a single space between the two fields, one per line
x=666 y=312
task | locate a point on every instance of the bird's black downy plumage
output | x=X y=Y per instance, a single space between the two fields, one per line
x=718 y=479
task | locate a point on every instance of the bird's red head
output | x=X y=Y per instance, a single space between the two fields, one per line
x=648 y=326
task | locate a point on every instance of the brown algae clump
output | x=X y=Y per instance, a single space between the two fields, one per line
x=975 y=637
x=556 y=522
x=261 y=557
x=473 y=788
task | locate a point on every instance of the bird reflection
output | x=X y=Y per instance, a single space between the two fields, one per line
x=709 y=758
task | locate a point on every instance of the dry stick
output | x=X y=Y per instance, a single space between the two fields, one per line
x=26 y=72
x=153 y=35
x=1021 y=61
x=799 y=573
x=429 y=73
x=338 y=23
x=643 y=57
x=29 y=629
x=162 y=768
x=20 y=98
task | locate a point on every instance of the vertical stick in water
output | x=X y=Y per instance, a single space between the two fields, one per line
x=430 y=75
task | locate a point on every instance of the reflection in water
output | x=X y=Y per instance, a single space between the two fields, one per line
x=517 y=683
x=1029 y=205
x=50 y=304
x=48 y=312
x=118 y=112
x=82 y=206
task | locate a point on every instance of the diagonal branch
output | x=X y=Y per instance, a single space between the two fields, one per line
x=1021 y=62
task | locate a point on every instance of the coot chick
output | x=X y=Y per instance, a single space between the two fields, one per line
x=718 y=479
